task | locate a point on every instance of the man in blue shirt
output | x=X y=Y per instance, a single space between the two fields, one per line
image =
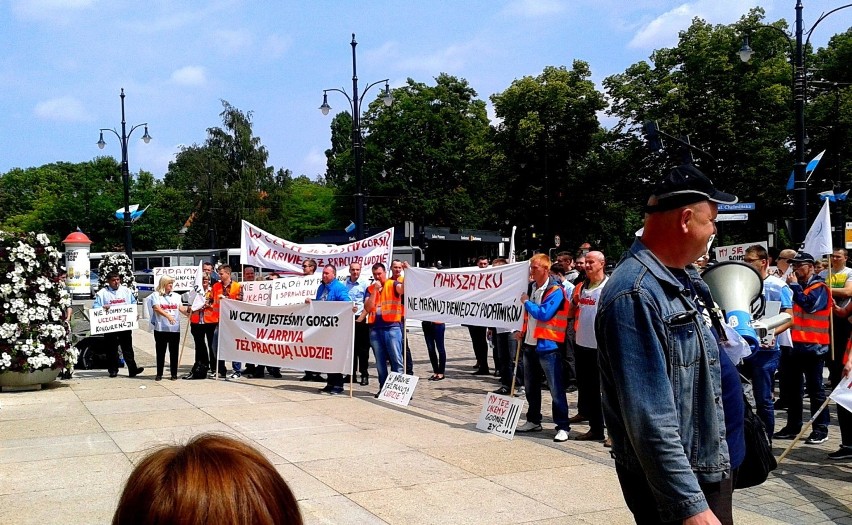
x=115 y=293
x=357 y=290
x=761 y=365
x=330 y=289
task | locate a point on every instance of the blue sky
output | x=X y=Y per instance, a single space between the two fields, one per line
x=63 y=62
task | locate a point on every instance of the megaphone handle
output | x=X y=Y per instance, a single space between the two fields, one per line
x=762 y=306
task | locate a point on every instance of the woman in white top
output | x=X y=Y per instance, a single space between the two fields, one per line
x=166 y=305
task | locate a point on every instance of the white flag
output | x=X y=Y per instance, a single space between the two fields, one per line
x=512 y=246
x=196 y=295
x=818 y=239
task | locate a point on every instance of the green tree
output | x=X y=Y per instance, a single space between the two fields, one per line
x=424 y=160
x=548 y=135
x=740 y=114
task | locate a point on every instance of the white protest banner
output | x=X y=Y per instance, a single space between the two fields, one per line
x=117 y=318
x=264 y=250
x=735 y=252
x=196 y=295
x=398 y=389
x=278 y=292
x=842 y=395
x=472 y=296
x=316 y=336
x=184 y=277
x=500 y=415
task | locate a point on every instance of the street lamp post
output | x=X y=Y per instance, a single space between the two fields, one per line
x=125 y=172
x=355 y=103
x=800 y=183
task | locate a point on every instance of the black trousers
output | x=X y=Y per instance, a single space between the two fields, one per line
x=840 y=332
x=162 y=341
x=589 y=387
x=113 y=341
x=361 y=361
x=202 y=334
x=480 y=346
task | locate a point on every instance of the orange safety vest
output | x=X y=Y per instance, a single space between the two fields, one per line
x=233 y=292
x=554 y=328
x=206 y=314
x=812 y=328
x=391 y=304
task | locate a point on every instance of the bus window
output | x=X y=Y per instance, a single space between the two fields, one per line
x=155 y=262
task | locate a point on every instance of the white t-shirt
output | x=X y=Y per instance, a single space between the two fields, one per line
x=171 y=304
x=537 y=296
x=587 y=306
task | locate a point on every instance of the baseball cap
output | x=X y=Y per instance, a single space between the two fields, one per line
x=684 y=185
x=803 y=257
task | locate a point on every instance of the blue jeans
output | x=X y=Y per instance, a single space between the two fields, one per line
x=551 y=364
x=387 y=345
x=811 y=365
x=760 y=369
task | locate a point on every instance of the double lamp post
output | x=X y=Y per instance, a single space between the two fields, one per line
x=800 y=186
x=125 y=172
x=355 y=103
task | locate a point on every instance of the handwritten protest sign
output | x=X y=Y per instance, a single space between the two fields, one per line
x=500 y=415
x=316 y=336
x=262 y=249
x=398 y=389
x=184 y=277
x=117 y=318
x=473 y=296
x=734 y=252
x=842 y=395
x=279 y=292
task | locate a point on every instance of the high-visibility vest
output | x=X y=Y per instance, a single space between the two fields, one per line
x=390 y=303
x=812 y=328
x=232 y=292
x=207 y=315
x=554 y=328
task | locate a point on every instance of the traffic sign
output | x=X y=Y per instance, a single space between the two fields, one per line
x=732 y=217
x=740 y=206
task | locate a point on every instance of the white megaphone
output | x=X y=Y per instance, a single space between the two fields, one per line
x=736 y=287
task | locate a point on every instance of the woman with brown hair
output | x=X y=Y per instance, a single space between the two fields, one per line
x=211 y=479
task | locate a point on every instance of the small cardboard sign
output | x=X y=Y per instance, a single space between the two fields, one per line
x=500 y=415
x=117 y=318
x=398 y=389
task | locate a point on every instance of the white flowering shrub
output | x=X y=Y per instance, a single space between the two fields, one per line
x=34 y=334
x=119 y=263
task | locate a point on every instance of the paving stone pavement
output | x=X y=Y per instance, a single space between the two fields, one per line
x=65 y=451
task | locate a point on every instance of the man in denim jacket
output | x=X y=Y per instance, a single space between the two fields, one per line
x=659 y=362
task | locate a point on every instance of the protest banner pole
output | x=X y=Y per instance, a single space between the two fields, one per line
x=515 y=368
x=804 y=429
x=183 y=344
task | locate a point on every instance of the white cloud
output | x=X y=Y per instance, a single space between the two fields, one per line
x=663 y=30
x=67 y=109
x=451 y=59
x=48 y=9
x=534 y=8
x=232 y=42
x=190 y=76
x=314 y=164
x=275 y=46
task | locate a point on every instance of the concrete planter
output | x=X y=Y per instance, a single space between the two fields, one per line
x=20 y=381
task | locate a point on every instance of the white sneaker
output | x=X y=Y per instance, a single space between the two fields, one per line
x=520 y=392
x=529 y=426
x=236 y=374
x=561 y=436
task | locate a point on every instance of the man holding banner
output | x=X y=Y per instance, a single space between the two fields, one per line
x=115 y=293
x=545 y=323
x=357 y=291
x=330 y=289
x=384 y=314
x=225 y=289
